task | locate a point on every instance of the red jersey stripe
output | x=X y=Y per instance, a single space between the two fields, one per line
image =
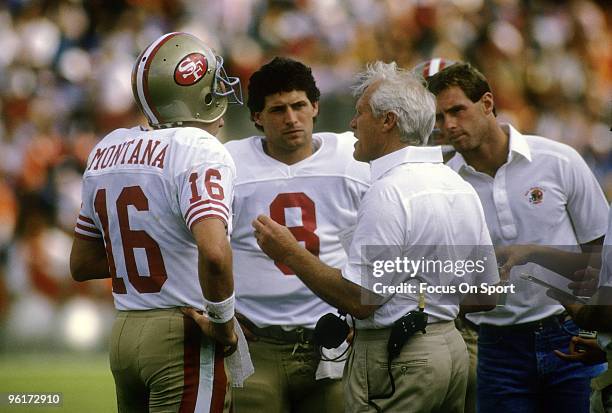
x=88 y=229
x=206 y=201
x=87 y=220
x=201 y=210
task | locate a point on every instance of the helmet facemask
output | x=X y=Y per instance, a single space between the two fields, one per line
x=226 y=86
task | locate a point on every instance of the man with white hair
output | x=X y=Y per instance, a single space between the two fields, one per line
x=422 y=200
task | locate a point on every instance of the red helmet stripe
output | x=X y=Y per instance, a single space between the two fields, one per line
x=142 y=83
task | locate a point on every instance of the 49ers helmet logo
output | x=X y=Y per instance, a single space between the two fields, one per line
x=191 y=69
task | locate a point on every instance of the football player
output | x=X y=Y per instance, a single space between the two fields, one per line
x=310 y=183
x=155 y=217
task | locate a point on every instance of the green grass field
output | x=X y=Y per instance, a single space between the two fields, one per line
x=84 y=379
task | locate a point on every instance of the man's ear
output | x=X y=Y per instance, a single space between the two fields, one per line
x=488 y=103
x=390 y=119
x=315 y=107
x=255 y=117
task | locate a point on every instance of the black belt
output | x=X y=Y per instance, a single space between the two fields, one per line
x=552 y=322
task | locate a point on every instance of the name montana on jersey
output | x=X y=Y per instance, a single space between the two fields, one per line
x=142 y=153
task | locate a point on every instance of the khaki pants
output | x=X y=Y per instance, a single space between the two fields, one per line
x=430 y=373
x=162 y=363
x=284 y=381
x=470 y=336
x=601 y=393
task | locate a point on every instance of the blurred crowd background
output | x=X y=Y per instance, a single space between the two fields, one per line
x=65 y=82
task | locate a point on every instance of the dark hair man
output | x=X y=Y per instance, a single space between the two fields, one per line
x=309 y=182
x=534 y=191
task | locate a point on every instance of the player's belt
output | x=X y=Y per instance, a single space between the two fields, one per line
x=297 y=335
x=554 y=322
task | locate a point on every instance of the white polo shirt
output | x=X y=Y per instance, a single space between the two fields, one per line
x=544 y=194
x=415 y=205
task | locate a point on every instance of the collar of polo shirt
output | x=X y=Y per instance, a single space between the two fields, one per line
x=409 y=154
x=518 y=146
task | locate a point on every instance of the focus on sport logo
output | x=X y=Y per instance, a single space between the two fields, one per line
x=190 y=69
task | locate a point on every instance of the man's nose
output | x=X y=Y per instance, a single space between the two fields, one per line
x=290 y=116
x=449 y=123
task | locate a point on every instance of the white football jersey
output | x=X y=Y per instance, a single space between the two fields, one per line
x=142 y=193
x=316 y=198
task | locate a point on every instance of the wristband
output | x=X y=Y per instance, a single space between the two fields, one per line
x=220 y=312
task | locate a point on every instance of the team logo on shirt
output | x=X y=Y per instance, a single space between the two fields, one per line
x=190 y=69
x=535 y=195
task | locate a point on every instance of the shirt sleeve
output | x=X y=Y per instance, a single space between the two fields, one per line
x=586 y=202
x=86 y=228
x=380 y=233
x=206 y=191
